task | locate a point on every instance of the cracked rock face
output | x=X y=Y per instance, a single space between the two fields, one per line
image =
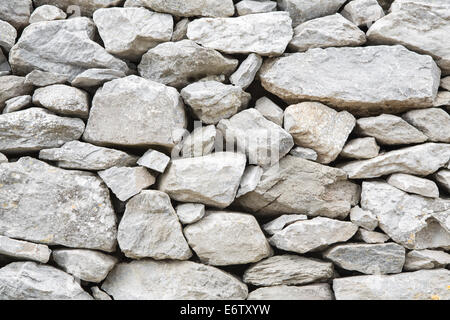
x=309 y=292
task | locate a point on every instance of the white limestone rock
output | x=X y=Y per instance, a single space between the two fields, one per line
x=245 y=7
x=320 y=291
x=371 y=236
x=3 y=158
x=53 y=206
x=135 y=112
x=420 y=160
x=23 y=250
x=388 y=129
x=329 y=76
x=16 y=12
x=85 y=7
x=8 y=35
x=266 y=34
x=260 y=139
x=445 y=83
x=419 y=285
x=413 y=184
x=281 y=222
x=304 y=153
x=245 y=74
x=17 y=103
x=288 y=270
x=85 y=156
x=190 y=212
x=360 y=148
x=96 y=77
x=87 y=265
x=312 y=235
x=200 y=142
x=363 y=12
x=11 y=87
x=433 y=122
x=180 y=30
x=363 y=218
x=47 y=13
x=179 y=63
x=316 y=126
x=227 y=238
x=443 y=179
x=324 y=32
x=250 y=179
x=323 y=190
x=150 y=228
x=154 y=160
x=126 y=182
x=130 y=32
x=40 y=78
x=35 y=129
x=99 y=294
x=32 y=281
x=172 y=280
x=212 y=101
x=426 y=259
x=413 y=221
x=270 y=110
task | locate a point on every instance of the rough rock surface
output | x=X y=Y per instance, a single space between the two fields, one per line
x=443 y=179
x=190 y=212
x=16 y=12
x=310 y=292
x=363 y=218
x=250 y=179
x=47 y=13
x=426 y=259
x=154 y=160
x=17 y=103
x=371 y=236
x=40 y=78
x=270 y=110
x=245 y=74
x=11 y=87
x=86 y=7
x=363 y=12
x=413 y=184
x=304 y=153
x=254 y=6
x=433 y=122
x=200 y=142
x=24 y=250
x=8 y=36
x=328 y=75
x=96 y=77
x=279 y=223
x=360 y=148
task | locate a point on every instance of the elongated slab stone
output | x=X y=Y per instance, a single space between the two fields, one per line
x=426 y=259
x=320 y=291
x=85 y=7
x=24 y=250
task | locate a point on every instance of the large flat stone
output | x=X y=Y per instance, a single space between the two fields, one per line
x=24 y=250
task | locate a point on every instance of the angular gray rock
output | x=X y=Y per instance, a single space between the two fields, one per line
x=136 y=112
x=388 y=129
x=16 y=12
x=47 y=13
x=368 y=258
x=190 y=212
x=442 y=99
x=445 y=83
x=413 y=184
x=279 y=223
x=212 y=179
x=245 y=7
x=360 y=148
x=422 y=26
x=270 y=110
x=200 y=142
x=419 y=285
x=303 y=10
x=288 y=270
x=324 y=190
x=130 y=32
x=126 y=182
x=63 y=100
x=320 y=291
x=260 y=139
x=363 y=218
x=421 y=160
x=35 y=128
x=312 y=235
x=180 y=63
x=266 y=34
x=17 y=103
x=328 y=76
x=86 y=7
x=148 y=279
x=363 y=12
x=180 y=30
x=433 y=122
x=316 y=126
x=250 y=179
x=212 y=101
x=324 y=32
x=226 y=238
x=87 y=265
x=426 y=259
x=11 y=87
x=32 y=281
x=96 y=77
x=304 y=153
x=99 y=294
x=23 y=250
x=150 y=228
x=443 y=179
x=40 y=78
x=8 y=36
x=245 y=74
x=74 y=207
x=371 y=236
x=154 y=160
x=36 y=49
x=413 y=221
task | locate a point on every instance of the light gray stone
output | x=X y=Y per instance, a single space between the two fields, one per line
x=126 y=182
x=47 y=13
x=426 y=259
x=200 y=142
x=329 y=76
x=363 y=218
x=281 y=222
x=388 y=129
x=150 y=228
x=368 y=258
x=212 y=101
x=16 y=12
x=413 y=221
x=17 y=103
x=324 y=190
x=154 y=160
x=180 y=63
x=135 y=112
x=5 y=69
x=96 y=77
x=419 y=285
x=422 y=26
x=245 y=74
x=316 y=126
x=85 y=7
x=53 y=206
x=250 y=179
x=130 y=32
x=312 y=235
x=320 y=291
x=304 y=153
x=99 y=294
x=85 y=156
x=260 y=139
x=226 y=238
x=413 y=184
x=35 y=129
x=360 y=148
x=32 y=281
x=180 y=30
x=266 y=34
x=442 y=99
x=421 y=160
x=324 y=32
x=11 y=87
x=245 y=7
x=371 y=236
x=23 y=250
x=3 y=158
x=363 y=12
x=87 y=265
x=190 y=212
x=40 y=78
x=445 y=83
x=8 y=35
x=287 y=270
x=443 y=179
x=270 y=110
x=36 y=49
x=166 y=280
x=433 y=122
